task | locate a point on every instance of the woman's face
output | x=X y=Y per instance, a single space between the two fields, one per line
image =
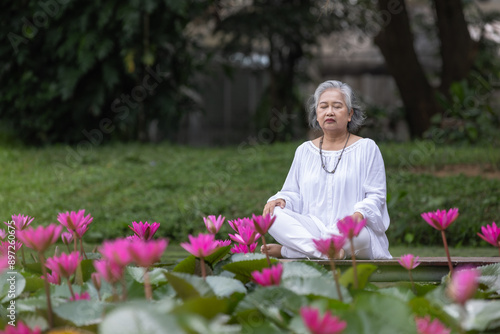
x=331 y=111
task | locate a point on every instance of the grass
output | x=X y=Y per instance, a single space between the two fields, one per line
x=177 y=186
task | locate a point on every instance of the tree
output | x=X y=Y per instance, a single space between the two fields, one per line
x=285 y=31
x=458 y=51
x=79 y=70
x=394 y=37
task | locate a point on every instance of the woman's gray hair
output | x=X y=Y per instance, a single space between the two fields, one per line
x=350 y=99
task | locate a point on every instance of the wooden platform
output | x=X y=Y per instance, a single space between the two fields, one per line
x=431 y=269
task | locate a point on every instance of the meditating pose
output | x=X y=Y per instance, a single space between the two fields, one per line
x=333 y=176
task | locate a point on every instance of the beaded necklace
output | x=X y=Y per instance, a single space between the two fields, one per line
x=321 y=154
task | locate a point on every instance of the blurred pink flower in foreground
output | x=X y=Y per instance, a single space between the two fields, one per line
x=64 y=265
x=111 y=272
x=262 y=224
x=213 y=223
x=246 y=235
x=330 y=246
x=328 y=324
x=426 y=326
x=440 y=219
x=350 y=227
x=409 y=261
x=241 y=248
x=116 y=251
x=73 y=220
x=241 y=222
x=40 y=238
x=201 y=246
x=463 y=285
x=268 y=276
x=224 y=243
x=53 y=278
x=21 y=221
x=147 y=253
x=67 y=238
x=82 y=296
x=3 y=233
x=144 y=231
x=5 y=247
x=20 y=328
x=491 y=234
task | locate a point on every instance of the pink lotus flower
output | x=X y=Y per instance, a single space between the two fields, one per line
x=317 y=324
x=5 y=247
x=53 y=278
x=224 y=243
x=21 y=328
x=147 y=253
x=82 y=296
x=240 y=222
x=201 y=246
x=64 y=265
x=268 y=276
x=110 y=271
x=440 y=219
x=350 y=227
x=330 y=246
x=409 y=261
x=116 y=251
x=241 y=248
x=21 y=221
x=82 y=229
x=491 y=234
x=144 y=231
x=133 y=238
x=426 y=326
x=463 y=285
x=40 y=238
x=247 y=235
x=263 y=223
x=213 y=223
x=67 y=238
x=73 y=220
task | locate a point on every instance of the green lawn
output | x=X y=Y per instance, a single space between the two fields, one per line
x=177 y=186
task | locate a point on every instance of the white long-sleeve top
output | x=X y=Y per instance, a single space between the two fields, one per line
x=358 y=185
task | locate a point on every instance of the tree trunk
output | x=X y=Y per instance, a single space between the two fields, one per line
x=282 y=72
x=458 y=50
x=395 y=41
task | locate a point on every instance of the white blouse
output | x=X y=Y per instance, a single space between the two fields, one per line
x=358 y=184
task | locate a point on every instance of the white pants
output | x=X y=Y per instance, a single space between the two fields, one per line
x=295 y=232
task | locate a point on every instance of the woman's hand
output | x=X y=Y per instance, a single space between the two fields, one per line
x=269 y=208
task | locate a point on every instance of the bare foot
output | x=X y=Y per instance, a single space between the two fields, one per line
x=273 y=250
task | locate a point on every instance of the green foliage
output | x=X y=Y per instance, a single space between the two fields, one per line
x=364 y=273
x=378 y=313
x=81 y=312
x=94 y=71
x=470 y=113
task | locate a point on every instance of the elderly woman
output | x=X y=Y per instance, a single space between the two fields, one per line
x=331 y=177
